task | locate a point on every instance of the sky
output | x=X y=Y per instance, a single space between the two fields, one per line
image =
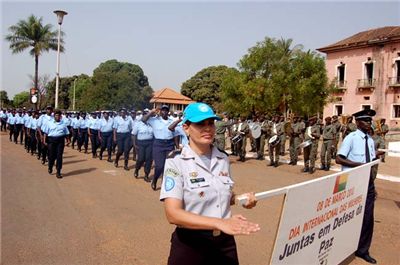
x=172 y=41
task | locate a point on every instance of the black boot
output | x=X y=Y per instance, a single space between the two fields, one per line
x=146 y=177
x=136 y=173
x=154 y=184
x=126 y=165
x=322 y=167
x=306 y=169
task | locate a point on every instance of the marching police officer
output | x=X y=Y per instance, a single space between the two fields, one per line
x=83 y=133
x=105 y=135
x=93 y=132
x=121 y=135
x=143 y=139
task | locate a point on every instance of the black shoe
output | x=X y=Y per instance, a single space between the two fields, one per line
x=306 y=169
x=327 y=168
x=116 y=164
x=43 y=161
x=312 y=170
x=366 y=257
x=146 y=178
x=154 y=185
x=136 y=173
x=276 y=164
x=58 y=175
x=109 y=159
x=126 y=165
x=50 y=170
x=322 y=167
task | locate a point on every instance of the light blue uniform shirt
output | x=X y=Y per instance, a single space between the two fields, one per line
x=66 y=120
x=43 y=120
x=33 y=123
x=75 y=123
x=27 y=122
x=353 y=147
x=106 y=125
x=94 y=124
x=11 y=120
x=160 y=128
x=55 y=129
x=83 y=123
x=123 y=125
x=19 y=119
x=142 y=131
x=179 y=131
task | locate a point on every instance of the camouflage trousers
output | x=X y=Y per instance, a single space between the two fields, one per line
x=326 y=153
x=260 y=146
x=294 y=151
x=282 y=144
x=274 y=150
x=310 y=154
x=241 y=147
x=220 y=141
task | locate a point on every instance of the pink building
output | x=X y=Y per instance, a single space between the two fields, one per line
x=366 y=69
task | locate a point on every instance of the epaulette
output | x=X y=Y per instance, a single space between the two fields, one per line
x=174 y=153
x=223 y=151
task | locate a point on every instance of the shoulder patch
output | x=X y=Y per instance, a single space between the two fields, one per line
x=174 y=153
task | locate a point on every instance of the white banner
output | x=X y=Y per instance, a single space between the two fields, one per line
x=321 y=219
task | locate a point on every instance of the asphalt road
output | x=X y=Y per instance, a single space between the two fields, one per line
x=99 y=214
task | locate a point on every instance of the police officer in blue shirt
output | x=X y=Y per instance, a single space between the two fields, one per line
x=42 y=122
x=358 y=148
x=143 y=139
x=19 y=130
x=106 y=135
x=33 y=132
x=3 y=120
x=83 y=133
x=75 y=126
x=164 y=140
x=134 y=120
x=27 y=119
x=55 y=134
x=11 y=125
x=122 y=135
x=93 y=130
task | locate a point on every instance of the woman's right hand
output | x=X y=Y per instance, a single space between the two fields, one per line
x=238 y=225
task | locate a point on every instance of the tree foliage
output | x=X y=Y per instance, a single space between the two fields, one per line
x=21 y=100
x=117 y=84
x=204 y=86
x=32 y=34
x=4 y=100
x=276 y=77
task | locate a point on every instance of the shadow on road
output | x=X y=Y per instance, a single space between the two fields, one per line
x=68 y=156
x=79 y=172
x=73 y=161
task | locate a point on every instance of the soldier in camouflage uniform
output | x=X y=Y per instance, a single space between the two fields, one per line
x=220 y=130
x=379 y=144
x=277 y=129
x=312 y=133
x=382 y=134
x=283 y=136
x=338 y=126
x=243 y=129
x=350 y=127
x=265 y=131
x=329 y=139
x=295 y=140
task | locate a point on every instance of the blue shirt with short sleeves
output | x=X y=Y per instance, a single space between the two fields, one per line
x=160 y=128
x=106 y=125
x=122 y=125
x=83 y=123
x=56 y=129
x=19 y=119
x=11 y=120
x=143 y=131
x=184 y=139
x=94 y=124
x=353 y=147
x=33 y=123
x=43 y=120
x=75 y=123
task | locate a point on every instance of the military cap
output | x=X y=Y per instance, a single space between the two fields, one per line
x=165 y=107
x=364 y=114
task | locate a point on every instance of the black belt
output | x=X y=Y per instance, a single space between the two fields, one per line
x=166 y=141
x=203 y=233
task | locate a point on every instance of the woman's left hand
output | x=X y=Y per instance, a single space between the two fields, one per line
x=251 y=200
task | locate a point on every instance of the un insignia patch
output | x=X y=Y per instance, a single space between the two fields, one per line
x=169 y=183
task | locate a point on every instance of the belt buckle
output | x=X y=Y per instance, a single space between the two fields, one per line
x=216 y=233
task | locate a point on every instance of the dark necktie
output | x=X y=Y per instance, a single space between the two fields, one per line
x=367 y=156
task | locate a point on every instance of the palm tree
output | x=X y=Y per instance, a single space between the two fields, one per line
x=31 y=33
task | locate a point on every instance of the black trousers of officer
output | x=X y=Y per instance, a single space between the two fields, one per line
x=145 y=155
x=94 y=140
x=75 y=137
x=12 y=128
x=18 y=133
x=134 y=151
x=3 y=126
x=161 y=148
x=106 y=142
x=33 y=141
x=124 y=145
x=45 y=150
x=56 y=150
x=367 y=227
x=83 y=139
x=27 y=142
x=200 y=247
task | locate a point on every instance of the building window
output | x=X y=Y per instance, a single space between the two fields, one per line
x=369 y=72
x=341 y=75
x=365 y=107
x=397 y=72
x=396 y=111
x=338 y=110
x=366 y=98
